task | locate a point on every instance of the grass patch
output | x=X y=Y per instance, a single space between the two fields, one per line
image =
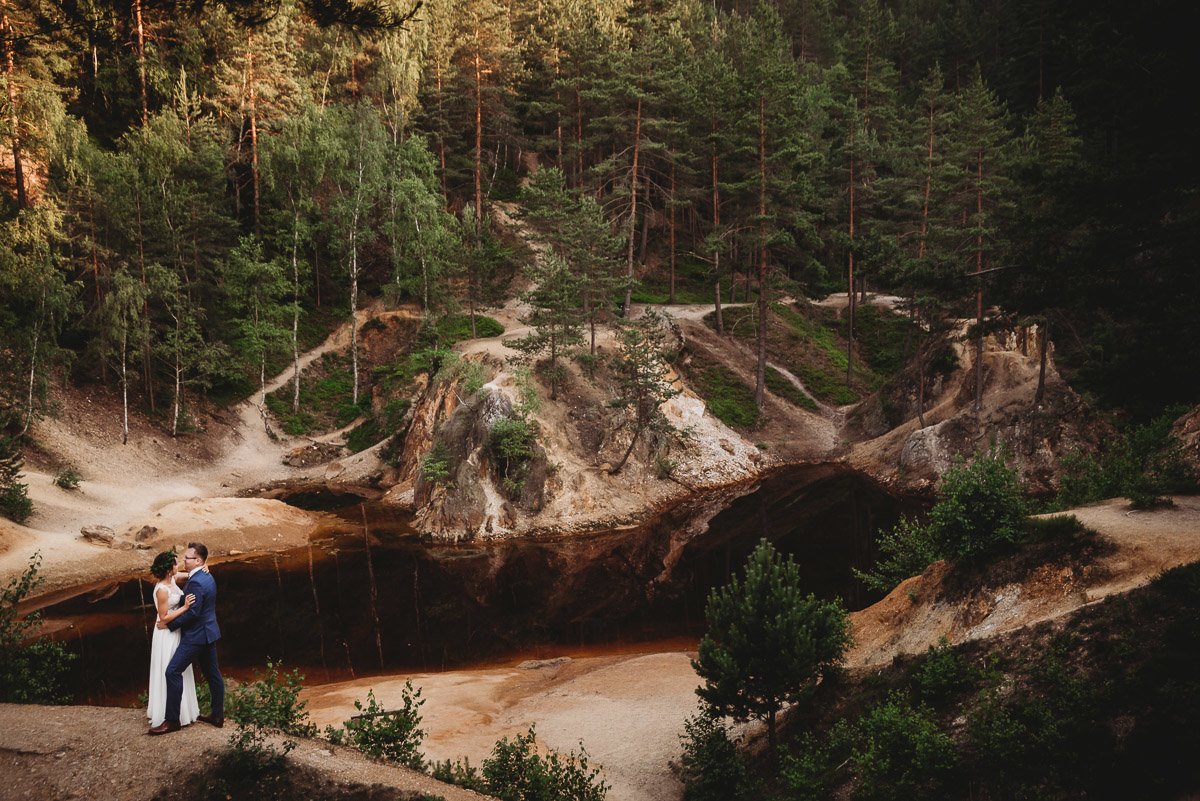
x=729 y=400
x=326 y=390
x=809 y=348
x=457 y=327
x=693 y=284
x=885 y=339
x=779 y=384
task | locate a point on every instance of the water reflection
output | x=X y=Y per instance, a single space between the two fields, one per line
x=376 y=598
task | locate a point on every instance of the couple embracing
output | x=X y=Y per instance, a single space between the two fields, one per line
x=185 y=631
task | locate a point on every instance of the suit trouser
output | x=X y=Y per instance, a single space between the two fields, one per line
x=204 y=654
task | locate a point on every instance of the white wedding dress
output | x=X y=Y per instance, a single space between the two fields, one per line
x=162 y=648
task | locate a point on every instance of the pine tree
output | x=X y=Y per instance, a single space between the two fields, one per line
x=767 y=644
x=644 y=376
x=14 y=493
x=555 y=306
x=256 y=301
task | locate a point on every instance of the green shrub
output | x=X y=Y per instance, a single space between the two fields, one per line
x=453 y=328
x=980 y=508
x=904 y=551
x=711 y=767
x=1142 y=465
x=979 y=513
x=271 y=703
x=14 y=493
x=901 y=753
x=68 y=478
x=942 y=676
x=515 y=771
x=32 y=670
x=388 y=735
x=459 y=772
x=435 y=467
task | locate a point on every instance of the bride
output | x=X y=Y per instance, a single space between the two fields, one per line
x=167 y=602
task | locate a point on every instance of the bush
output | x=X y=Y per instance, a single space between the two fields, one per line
x=981 y=509
x=14 y=493
x=68 y=478
x=272 y=703
x=941 y=676
x=711 y=767
x=901 y=753
x=517 y=772
x=461 y=773
x=390 y=736
x=435 y=467
x=980 y=512
x=511 y=445
x=31 y=672
x=1141 y=465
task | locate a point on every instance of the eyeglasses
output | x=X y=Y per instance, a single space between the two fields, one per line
x=190 y=557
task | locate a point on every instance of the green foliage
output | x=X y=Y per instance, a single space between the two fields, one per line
x=767 y=644
x=14 y=493
x=515 y=771
x=271 y=703
x=459 y=772
x=711 y=767
x=980 y=508
x=942 y=676
x=451 y=328
x=727 y=398
x=435 y=467
x=68 y=478
x=32 y=670
x=511 y=445
x=904 y=551
x=901 y=753
x=643 y=374
x=980 y=512
x=388 y=735
x=1142 y=464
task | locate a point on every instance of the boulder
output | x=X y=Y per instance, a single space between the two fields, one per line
x=100 y=535
x=145 y=533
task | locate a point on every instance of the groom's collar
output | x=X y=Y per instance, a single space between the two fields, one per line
x=195 y=570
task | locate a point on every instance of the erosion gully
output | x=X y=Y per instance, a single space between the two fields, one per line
x=378 y=599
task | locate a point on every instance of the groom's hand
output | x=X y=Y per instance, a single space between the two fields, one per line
x=158 y=624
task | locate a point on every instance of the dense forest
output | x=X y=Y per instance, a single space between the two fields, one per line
x=189 y=188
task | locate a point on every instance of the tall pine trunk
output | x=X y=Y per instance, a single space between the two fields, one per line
x=716 y=222
x=10 y=70
x=761 y=370
x=140 y=44
x=478 y=141
x=979 y=285
x=1043 y=350
x=633 y=193
x=850 y=271
x=295 y=312
x=671 y=204
x=253 y=96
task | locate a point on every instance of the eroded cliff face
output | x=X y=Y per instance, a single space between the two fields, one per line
x=910 y=457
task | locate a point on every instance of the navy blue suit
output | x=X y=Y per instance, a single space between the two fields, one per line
x=197 y=643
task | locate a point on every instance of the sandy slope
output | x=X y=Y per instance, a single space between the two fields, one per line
x=82 y=752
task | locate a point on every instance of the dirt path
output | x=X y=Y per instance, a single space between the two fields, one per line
x=87 y=752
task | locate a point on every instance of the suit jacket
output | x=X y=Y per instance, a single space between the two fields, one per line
x=199 y=623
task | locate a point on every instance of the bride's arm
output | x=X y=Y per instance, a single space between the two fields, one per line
x=165 y=615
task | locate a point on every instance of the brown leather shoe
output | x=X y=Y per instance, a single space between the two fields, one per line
x=212 y=721
x=166 y=727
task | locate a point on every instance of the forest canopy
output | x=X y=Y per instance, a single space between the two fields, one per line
x=184 y=186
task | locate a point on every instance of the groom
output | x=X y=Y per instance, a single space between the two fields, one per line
x=197 y=643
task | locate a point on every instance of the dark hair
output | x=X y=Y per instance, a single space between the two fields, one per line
x=201 y=550
x=164 y=564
